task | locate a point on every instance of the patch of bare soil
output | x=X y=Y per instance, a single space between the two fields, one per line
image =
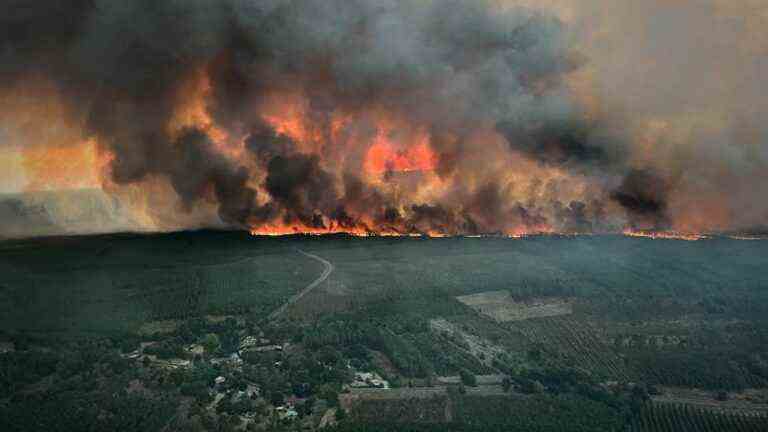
x=482 y=349
x=501 y=307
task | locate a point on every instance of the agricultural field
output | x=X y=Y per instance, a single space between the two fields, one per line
x=683 y=418
x=750 y=402
x=578 y=343
x=501 y=307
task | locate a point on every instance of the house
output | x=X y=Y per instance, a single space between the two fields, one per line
x=286 y=412
x=219 y=380
x=369 y=379
x=379 y=383
x=195 y=349
x=252 y=343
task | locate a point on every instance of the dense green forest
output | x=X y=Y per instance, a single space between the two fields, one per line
x=172 y=332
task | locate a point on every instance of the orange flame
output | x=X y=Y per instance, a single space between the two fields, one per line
x=193 y=112
x=383 y=156
x=665 y=235
x=361 y=229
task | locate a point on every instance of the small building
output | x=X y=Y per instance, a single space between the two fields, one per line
x=219 y=380
x=285 y=412
x=254 y=344
x=379 y=383
x=195 y=349
x=369 y=380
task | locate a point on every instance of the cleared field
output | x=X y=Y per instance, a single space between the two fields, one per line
x=481 y=348
x=500 y=306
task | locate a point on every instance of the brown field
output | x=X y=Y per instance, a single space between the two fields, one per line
x=500 y=306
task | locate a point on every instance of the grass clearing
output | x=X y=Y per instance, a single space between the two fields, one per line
x=501 y=307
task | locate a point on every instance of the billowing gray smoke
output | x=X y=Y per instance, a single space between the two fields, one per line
x=463 y=73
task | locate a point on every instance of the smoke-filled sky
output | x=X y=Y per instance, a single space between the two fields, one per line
x=396 y=117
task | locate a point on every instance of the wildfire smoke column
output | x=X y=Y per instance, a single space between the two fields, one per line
x=366 y=116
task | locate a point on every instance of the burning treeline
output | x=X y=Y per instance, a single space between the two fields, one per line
x=436 y=117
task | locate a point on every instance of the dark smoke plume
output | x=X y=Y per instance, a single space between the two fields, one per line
x=199 y=167
x=300 y=184
x=643 y=194
x=297 y=93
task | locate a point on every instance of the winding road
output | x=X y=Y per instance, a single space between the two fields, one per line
x=298 y=296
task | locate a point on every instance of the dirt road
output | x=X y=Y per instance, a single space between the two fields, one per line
x=298 y=296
